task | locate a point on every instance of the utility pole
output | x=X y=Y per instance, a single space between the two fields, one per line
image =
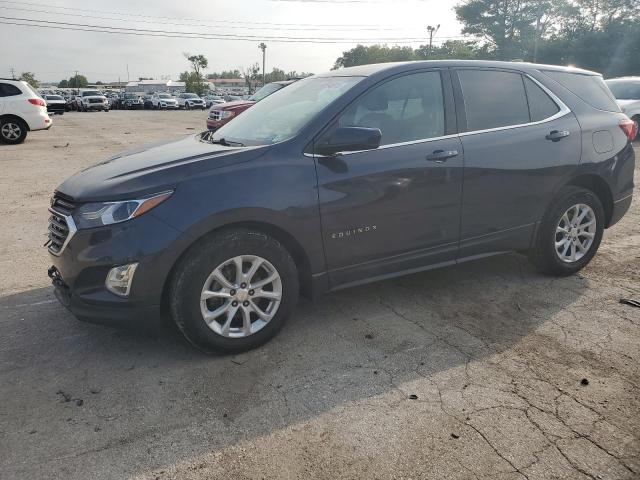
x=75 y=80
x=432 y=31
x=263 y=47
x=13 y=73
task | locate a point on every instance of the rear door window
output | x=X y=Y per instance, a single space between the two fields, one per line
x=590 y=88
x=541 y=106
x=493 y=99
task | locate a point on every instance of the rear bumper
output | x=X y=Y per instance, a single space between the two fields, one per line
x=40 y=121
x=620 y=207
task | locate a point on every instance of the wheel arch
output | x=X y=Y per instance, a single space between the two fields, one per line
x=15 y=117
x=289 y=242
x=599 y=187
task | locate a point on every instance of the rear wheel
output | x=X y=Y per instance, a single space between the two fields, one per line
x=570 y=233
x=13 y=131
x=233 y=291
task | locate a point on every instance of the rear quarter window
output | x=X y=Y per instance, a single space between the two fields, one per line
x=8 y=90
x=590 y=88
x=541 y=106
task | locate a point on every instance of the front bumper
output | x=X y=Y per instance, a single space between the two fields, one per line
x=56 y=108
x=79 y=272
x=214 y=125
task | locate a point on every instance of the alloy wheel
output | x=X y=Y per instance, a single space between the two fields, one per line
x=241 y=296
x=11 y=131
x=575 y=233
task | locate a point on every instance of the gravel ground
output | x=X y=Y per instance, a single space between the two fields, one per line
x=486 y=370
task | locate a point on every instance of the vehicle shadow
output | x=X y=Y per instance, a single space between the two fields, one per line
x=99 y=396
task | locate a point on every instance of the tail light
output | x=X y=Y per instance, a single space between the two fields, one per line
x=630 y=128
x=37 y=101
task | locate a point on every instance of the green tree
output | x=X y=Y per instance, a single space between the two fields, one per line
x=193 y=82
x=364 y=55
x=78 y=81
x=30 y=78
x=251 y=76
x=458 y=49
x=225 y=74
x=63 y=83
x=196 y=83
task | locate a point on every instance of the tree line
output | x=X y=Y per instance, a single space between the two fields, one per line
x=601 y=35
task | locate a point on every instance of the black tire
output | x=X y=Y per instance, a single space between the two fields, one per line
x=15 y=123
x=201 y=260
x=543 y=254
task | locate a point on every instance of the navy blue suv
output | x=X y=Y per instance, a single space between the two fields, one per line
x=347 y=177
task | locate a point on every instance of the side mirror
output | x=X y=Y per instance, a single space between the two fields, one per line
x=349 y=139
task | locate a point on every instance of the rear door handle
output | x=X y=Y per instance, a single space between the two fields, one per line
x=557 y=135
x=441 y=156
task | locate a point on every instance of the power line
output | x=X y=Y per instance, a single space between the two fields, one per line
x=238 y=22
x=335 y=28
x=195 y=35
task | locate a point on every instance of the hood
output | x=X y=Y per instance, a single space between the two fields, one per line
x=235 y=105
x=151 y=168
x=625 y=103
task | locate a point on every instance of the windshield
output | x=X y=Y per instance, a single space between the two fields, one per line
x=625 y=90
x=282 y=115
x=164 y=95
x=265 y=91
x=54 y=97
x=190 y=95
x=91 y=93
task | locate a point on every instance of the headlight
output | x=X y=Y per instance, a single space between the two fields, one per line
x=91 y=215
x=226 y=114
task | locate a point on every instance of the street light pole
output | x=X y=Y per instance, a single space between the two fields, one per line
x=263 y=47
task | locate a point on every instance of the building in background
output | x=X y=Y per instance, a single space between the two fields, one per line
x=151 y=86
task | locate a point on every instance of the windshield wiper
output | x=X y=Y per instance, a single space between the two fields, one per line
x=227 y=143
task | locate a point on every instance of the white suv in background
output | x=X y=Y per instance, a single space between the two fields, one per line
x=190 y=100
x=21 y=110
x=92 y=100
x=627 y=93
x=163 y=100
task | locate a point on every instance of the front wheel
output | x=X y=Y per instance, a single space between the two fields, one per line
x=570 y=232
x=233 y=291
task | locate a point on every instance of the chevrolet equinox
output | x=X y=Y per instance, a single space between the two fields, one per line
x=347 y=177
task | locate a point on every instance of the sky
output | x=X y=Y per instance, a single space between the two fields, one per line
x=54 y=54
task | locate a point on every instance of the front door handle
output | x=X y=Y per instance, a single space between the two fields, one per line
x=441 y=156
x=557 y=135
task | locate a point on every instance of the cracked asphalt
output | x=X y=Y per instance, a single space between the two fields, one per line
x=487 y=370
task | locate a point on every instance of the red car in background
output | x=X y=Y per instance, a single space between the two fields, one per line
x=225 y=112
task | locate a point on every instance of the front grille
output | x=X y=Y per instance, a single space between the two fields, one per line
x=215 y=115
x=95 y=100
x=61 y=225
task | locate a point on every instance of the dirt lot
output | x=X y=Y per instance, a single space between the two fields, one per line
x=470 y=372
